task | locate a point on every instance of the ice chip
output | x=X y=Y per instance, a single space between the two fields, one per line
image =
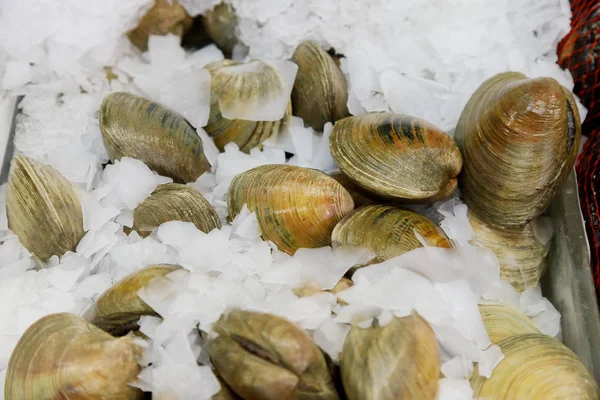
x=490 y=358
x=16 y=74
x=330 y=337
x=454 y=389
x=188 y=93
x=457 y=368
x=165 y=51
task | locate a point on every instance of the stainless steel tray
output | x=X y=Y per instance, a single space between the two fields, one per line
x=567 y=284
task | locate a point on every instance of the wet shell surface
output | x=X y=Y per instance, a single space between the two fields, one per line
x=220 y=23
x=264 y=357
x=396 y=156
x=388 y=231
x=320 y=91
x=61 y=356
x=174 y=202
x=360 y=196
x=536 y=367
x=43 y=209
x=238 y=92
x=295 y=207
x=519 y=138
x=502 y=322
x=166 y=16
x=119 y=309
x=138 y=128
x=521 y=256
x=400 y=360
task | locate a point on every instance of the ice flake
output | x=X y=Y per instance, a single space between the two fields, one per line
x=489 y=360
x=330 y=337
x=454 y=389
x=457 y=368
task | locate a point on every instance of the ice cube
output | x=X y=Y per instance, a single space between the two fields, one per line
x=490 y=358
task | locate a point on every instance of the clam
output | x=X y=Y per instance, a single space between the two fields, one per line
x=502 y=321
x=220 y=23
x=320 y=91
x=388 y=231
x=61 y=356
x=119 y=309
x=519 y=138
x=396 y=156
x=174 y=202
x=250 y=102
x=400 y=360
x=225 y=393
x=135 y=127
x=536 y=367
x=43 y=209
x=263 y=357
x=359 y=195
x=295 y=207
x=312 y=289
x=521 y=256
x=166 y=16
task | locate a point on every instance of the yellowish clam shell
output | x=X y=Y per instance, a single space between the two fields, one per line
x=43 y=209
x=61 y=356
x=400 y=360
x=521 y=256
x=502 y=322
x=295 y=207
x=536 y=367
x=174 y=202
x=396 y=156
x=166 y=16
x=138 y=128
x=519 y=138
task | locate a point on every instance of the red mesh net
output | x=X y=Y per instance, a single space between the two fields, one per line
x=579 y=51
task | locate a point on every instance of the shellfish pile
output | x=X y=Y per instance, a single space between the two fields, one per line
x=272 y=279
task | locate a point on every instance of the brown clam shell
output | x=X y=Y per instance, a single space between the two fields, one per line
x=61 y=356
x=43 y=209
x=165 y=16
x=220 y=23
x=400 y=360
x=295 y=207
x=320 y=91
x=138 y=128
x=396 y=157
x=174 y=202
x=536 y=367
x=519 y=138
x=359 y=195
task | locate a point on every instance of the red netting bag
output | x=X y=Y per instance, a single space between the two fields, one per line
x=579 y=51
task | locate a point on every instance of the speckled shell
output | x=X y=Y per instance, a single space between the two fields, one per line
x=320 y=90
x=119 y=308
x=295 y=207
x=502 y=322
x=174 y=202
x=536 y=367
x=43 y=209
x=521 y=256
x=386 y=230
x=398 y=361
x=360 y=196
x=166 y=16
x=61 y=356
x=246 y=134
x=135 y=127
x=519 y=138
x=265 y=357
x=396 y=156
x=220 y=23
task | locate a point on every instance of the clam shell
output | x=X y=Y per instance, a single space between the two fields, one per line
x=263 y=357
x=119 y=309
x=396 y=156
x=174 y=202
x=536 y=367
x=220 y=23
x=519 y=138
x=61 y=356
x=387 y=230
x=135 y=127
x=295 y=207
x=521 y=256
x=43 y=209
x=312 y=289
x=320 y=91
x=166 y=16
x=502 y=322
x=235 y=86
x=398 y=361
x=359 y=195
